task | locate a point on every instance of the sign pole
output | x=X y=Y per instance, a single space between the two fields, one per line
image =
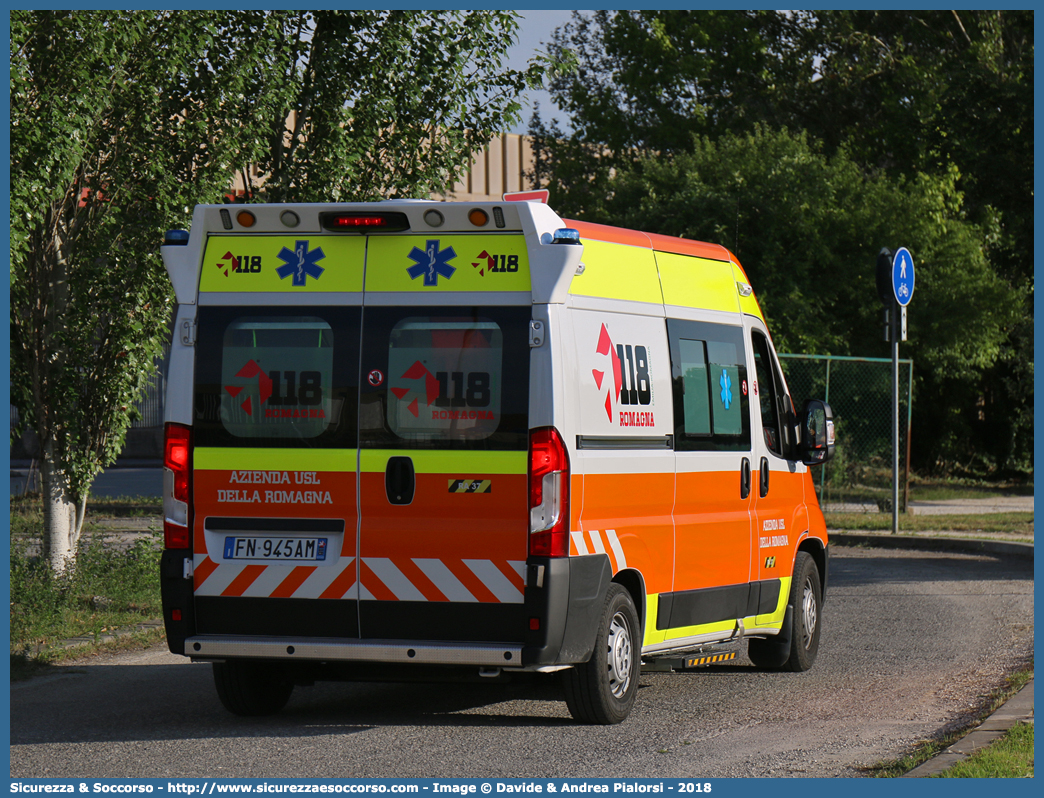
x=895 y=417
x=895 y=287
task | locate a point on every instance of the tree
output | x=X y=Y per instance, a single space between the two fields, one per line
x=387 y=103
x=919 y=91
x=122 y=121
x=904 y=95
x=806 y=226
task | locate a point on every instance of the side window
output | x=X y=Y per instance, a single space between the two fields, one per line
x=770 y=397
x=276 y=377
x=709 y=375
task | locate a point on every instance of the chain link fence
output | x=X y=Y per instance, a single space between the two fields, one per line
x=859 y=391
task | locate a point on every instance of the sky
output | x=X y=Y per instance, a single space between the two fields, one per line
x=536 y=27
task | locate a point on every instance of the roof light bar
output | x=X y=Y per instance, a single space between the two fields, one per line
x=566 y=235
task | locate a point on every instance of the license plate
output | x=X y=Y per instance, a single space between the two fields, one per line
x=294 y=549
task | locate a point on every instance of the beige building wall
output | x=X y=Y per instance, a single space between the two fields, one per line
x=501 y=167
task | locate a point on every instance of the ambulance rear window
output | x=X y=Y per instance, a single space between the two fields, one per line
x=450 y=378
x=276 y=377
x=273 y=371
x=445 y=378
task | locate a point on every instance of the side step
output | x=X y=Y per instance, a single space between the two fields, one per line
x=689 y=662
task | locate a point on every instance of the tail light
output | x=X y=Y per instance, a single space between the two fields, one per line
x=548 y=494
x=177 y=503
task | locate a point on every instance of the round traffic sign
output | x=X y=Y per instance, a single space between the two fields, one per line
x=902 y=276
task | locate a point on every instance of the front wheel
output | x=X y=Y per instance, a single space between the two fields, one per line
x=251 y=688
x=603 y=689
x=806 y=601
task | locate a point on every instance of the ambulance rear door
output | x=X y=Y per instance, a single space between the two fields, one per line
x=274 y=433
x=444 y=432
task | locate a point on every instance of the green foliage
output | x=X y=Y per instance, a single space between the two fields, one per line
x=1012 y=524
x=109 y=588
x=113 y=122
x=387 y=104
x=808 y=227
x=122 y=121
x=910 y=128
x=1010 y=757
x=650 y=80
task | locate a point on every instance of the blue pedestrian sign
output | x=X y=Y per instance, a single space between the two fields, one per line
x=903 y=276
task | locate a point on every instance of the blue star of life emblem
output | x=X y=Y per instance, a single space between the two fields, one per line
x=431 y=262
x=300 y=263
x=726 y=389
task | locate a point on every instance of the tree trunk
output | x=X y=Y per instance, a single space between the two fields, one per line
x=63 y=515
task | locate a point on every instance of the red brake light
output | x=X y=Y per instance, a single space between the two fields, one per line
x=177 y=458
x=364 y=222
x=357 y=221
x=548 y=494
x=176 y=447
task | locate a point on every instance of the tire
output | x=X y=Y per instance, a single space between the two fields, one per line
x=797 y=650
x=603 y=689
x=251 y=689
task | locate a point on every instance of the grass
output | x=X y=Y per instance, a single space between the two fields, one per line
x=1016 y=523
x=926 y=749
x=947 y=489
x=126 y=506
x=1010 y=757
x=25 y=666
x=109 y=587
x=873 y=485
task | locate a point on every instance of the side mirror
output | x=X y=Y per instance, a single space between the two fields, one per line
x=817 y=433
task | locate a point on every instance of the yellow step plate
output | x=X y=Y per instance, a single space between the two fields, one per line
x=709 y=659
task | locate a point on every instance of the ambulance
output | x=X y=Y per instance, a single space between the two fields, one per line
x=440 y=440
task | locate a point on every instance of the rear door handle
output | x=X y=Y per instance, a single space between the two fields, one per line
x=764 y=477
x=400 y=481
x=745 y=478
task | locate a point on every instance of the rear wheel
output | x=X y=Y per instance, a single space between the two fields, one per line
x=806 y=600
x=251 y=688
x=603 y=689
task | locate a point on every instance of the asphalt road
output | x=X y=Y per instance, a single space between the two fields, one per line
x=911 y=641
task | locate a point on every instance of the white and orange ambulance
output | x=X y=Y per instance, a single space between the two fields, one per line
x=415 y=439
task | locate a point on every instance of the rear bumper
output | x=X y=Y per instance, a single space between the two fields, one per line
x=353 y=650
x=555 y=626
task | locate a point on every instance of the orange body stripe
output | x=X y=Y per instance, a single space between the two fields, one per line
x=203 y=570
x=655 y=241
x=610 y=553
x=339 y=586
x=513 y=576
x=470 y=581
x=419 y=579
x=376 y=587
x=685 y=246
x=244 y=580
x=613 y=235
x=289 y=586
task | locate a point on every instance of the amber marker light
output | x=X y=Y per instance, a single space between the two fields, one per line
x=478 y=217
x=245 y=219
